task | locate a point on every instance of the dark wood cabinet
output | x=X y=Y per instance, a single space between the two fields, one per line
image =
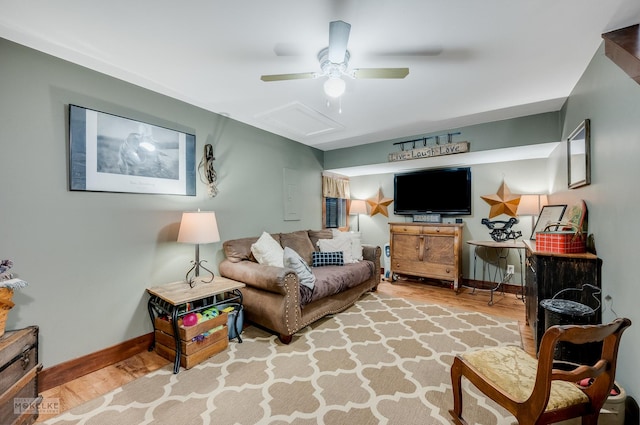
x=427 y=250
x=547 y=274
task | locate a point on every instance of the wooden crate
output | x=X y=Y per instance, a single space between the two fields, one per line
x=190 y=360
x=19 y=370
x=192 y=352
x=187 y=333
x=190 y=347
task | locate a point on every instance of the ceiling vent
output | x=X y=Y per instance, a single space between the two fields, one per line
x=300 y=120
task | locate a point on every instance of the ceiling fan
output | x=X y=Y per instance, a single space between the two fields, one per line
x=334 y=63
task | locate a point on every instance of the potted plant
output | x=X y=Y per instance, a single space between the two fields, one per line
x=7 y=285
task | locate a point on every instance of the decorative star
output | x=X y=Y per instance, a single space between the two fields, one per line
x=379 y=204
x=503 y=202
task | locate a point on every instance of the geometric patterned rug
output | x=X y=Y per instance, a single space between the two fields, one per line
x=384 y=360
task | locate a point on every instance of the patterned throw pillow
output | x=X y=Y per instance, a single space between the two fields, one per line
x=320 y=259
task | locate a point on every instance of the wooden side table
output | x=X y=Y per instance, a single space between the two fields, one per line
x=177 y=299
x=501 y=251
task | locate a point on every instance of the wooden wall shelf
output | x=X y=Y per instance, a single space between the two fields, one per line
x=622 y=47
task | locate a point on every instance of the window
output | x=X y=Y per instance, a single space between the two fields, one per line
x=335 y=216
x=335 y=201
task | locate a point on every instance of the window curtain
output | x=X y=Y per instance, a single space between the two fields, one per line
x=335 y=186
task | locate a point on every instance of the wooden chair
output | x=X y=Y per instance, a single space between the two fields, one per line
x=532 y=389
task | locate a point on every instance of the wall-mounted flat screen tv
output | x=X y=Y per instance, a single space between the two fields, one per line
x=445 y=191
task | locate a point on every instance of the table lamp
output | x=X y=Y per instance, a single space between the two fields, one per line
x=531 y=205
x=198 y=227
x=357 y=207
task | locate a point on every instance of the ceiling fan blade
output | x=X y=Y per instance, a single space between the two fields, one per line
x=418 y=52
x=280 y=77
x=380 y=72
x=338 y=39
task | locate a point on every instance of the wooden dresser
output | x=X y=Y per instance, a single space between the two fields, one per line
x=19 y=370
x=427 y=250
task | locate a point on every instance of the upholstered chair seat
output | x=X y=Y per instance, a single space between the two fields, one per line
x=498 y=364
x=536 y=390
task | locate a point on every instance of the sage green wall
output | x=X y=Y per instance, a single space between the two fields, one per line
x=88 y=257
x=611 y=100
x=529 y=130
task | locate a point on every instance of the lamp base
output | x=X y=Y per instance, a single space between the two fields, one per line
x=194 y=272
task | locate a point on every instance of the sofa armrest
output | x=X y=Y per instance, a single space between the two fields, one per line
x=260 y=276
x=371 y=253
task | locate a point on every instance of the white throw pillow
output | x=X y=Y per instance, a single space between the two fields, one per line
x=356 y=244
x=268 y=251
x=294 y=261
x=337 y=244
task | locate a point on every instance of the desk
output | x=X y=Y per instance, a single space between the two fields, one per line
x=501 y=252
x=177 y=299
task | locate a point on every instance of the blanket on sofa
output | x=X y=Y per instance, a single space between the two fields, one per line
x=331 y=280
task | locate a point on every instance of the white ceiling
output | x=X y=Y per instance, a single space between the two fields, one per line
x=470 y=61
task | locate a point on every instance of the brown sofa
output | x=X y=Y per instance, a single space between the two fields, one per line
x=274 y=298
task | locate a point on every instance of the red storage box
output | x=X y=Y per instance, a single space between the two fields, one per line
x=561 y=242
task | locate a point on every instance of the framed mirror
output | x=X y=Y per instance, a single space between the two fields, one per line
x=578 y=156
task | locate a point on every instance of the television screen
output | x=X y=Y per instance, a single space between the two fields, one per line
x=445 y=191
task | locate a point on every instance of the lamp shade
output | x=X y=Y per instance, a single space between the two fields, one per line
x=198 y=227
x=358 y=206
x=531 y=204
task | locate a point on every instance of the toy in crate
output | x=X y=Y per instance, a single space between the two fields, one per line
x=569 y=239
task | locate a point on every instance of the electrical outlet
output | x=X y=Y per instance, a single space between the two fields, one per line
x=510 y=269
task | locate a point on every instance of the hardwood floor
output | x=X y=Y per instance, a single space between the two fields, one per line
x=85 y=388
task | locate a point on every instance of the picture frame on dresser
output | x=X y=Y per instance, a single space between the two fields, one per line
x=110 y=153
x=548 y=214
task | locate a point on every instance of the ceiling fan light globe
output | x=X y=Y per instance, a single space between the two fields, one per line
x=334 y=87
